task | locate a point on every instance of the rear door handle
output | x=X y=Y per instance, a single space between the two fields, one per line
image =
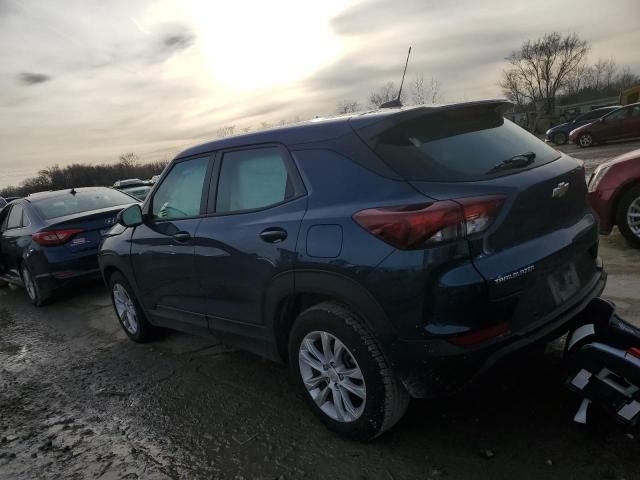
x=182 y=237
x=273 y=235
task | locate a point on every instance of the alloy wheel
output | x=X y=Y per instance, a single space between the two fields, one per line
x=585 y=140
x=633 y=217
x=125 y=309
x=29 y=285
x=332 y=376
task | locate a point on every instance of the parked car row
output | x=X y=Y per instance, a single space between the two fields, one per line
x=382 y=256
x=598 y=126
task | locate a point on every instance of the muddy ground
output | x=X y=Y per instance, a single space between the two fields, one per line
x=78 y=400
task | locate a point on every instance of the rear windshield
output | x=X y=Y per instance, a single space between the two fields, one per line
x=460 y=145
x=82 y=201
x=138 y=192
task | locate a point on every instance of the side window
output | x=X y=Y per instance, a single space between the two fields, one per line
x=15 y=217
x=635 y=112
x=619 y=114
x=180 y=193
x=252 y=179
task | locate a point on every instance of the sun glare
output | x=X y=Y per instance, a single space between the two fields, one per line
x=260 y=44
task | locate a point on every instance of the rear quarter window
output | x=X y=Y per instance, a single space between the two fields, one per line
x=458 y=145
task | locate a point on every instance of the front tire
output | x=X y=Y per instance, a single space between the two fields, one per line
x=560 y=138
x=585 y=140
x=343 y=374
x=130 y=315
x=628 y=216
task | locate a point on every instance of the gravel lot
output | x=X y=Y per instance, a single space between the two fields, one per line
x=78 y=400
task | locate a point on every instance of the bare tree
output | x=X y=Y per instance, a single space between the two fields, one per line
x=627 y=78
x=129 y=159
x=385 y=93
x=539 y=69
x=577 y=80
x=602 y=74
x=419 y=96
x=436 y=85
x=347 y=106
x=226 y=131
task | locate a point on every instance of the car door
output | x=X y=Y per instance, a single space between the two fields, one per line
x=14 y=238
x=256 y=208
x=162 y=250
x=614 y=126
x=634 y=122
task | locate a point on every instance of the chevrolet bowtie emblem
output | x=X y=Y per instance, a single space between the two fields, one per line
x=560 y=190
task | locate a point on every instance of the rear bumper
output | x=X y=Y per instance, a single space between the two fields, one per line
x=53 y=273
x=437 y=368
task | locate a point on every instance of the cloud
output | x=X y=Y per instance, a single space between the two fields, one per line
x=180 y=41
x=373 y=15
x=29 y=78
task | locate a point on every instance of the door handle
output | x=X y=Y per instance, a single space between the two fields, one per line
x=182 y=237
x=273 y=235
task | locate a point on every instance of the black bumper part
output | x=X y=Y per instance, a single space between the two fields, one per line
x=435 y=368
x=604 y=360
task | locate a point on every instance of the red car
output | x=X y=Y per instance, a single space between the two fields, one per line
x=621 y=124
x=614 y=194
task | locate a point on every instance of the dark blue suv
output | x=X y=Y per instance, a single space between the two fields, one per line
x=396 y=253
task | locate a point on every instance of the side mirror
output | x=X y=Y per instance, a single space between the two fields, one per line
x=130 y=216
x=602 y=120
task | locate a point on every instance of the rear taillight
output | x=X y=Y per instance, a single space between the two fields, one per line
x=54 y=237
x=635 y=351
x=411 y=227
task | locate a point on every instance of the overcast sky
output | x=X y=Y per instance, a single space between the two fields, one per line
x=88 y=80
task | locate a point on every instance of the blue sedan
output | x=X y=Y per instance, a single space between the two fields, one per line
x=51 y=238
x=560 y=133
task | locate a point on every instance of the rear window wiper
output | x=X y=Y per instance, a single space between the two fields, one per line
x=517 y=161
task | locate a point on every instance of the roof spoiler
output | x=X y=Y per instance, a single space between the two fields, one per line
x=372 y=126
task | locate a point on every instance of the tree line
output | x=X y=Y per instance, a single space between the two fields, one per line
x=555 y=69
x=76 y=175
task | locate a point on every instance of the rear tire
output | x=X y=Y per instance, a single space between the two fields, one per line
x=364 y=402
x=34 y=292
x=560 y=138
x=585 y=140
x=127 y=308
x=628 y=208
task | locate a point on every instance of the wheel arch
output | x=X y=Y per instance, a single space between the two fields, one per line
x=622 y=190
x=286 y=300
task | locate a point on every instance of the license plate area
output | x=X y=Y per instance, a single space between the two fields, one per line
x=564 y=284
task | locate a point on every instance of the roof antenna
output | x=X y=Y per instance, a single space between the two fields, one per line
x=397 y=102
x=73 y=191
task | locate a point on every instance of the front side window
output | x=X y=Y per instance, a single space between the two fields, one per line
x=15 y=217
x=180 y=194
x=635 y=111
x=252 y=179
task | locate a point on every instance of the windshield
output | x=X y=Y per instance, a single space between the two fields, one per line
x=82 y=201
x=460 y=145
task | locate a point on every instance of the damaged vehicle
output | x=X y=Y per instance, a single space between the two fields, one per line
x=398 y=253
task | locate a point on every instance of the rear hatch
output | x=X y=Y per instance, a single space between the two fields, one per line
x=540 y=246
x=76 y=221
x=90 y=227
